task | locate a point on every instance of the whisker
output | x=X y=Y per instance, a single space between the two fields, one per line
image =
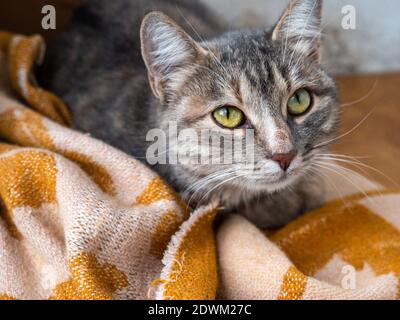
x=331 y=167
x=206 y=181
x=219 y=185
x=328 y=179
x=359 y=164
x=344 y=156
x=322 y=144
x=364 y=97
x=350 y=162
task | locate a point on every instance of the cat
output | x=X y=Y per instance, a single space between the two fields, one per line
x=125 y=67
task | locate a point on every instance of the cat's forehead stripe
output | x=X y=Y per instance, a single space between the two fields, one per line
x=280 y=81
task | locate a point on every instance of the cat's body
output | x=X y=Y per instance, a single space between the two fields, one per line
x=97 y=68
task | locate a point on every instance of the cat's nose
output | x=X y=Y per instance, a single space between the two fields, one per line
x=284 y=159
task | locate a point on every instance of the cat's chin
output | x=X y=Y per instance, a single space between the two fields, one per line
x=268 y=185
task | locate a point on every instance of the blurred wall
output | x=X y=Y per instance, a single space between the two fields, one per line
x=374 y=46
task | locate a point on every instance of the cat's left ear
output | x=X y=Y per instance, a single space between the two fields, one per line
x=300 y=27
x=168 y=52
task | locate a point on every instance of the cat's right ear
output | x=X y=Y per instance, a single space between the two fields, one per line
x=168 y=53
x=300 y=27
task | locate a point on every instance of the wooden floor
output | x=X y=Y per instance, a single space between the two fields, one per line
x=378 y=137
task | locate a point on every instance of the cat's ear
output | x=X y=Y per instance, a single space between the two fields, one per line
x=168 y=52
x=300 y=27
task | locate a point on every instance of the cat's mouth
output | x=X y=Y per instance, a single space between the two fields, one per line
x=259 y=181
x=282 y=179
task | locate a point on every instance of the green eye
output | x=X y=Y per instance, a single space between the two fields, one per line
x=299 y=103
x=229 y=117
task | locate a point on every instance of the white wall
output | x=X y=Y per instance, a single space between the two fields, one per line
x=373 y=47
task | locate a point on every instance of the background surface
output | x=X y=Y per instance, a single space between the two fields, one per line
x=368 y=56
x=374 y=46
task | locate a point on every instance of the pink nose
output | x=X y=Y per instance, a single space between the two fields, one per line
x=284 y=159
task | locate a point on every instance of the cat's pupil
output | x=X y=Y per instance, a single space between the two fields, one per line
x=298 y=98
x=224 y=113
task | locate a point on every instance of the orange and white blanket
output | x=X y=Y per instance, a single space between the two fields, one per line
x=82 y=220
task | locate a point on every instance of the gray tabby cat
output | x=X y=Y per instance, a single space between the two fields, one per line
x=123 y=72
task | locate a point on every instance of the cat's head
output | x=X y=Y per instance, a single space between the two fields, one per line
x=268 y=81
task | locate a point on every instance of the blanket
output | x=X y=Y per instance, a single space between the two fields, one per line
x=80 y=219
